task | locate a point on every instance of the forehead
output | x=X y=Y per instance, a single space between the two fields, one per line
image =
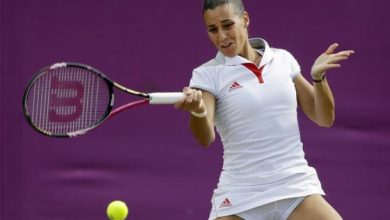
x=220 y=13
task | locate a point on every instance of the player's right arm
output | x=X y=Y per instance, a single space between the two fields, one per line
x=200 y=101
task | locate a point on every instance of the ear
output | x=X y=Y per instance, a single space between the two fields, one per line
x=246 y=19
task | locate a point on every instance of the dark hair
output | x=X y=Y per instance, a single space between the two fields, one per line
x=212 y=4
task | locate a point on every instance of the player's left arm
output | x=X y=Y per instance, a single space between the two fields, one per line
x=316 y=100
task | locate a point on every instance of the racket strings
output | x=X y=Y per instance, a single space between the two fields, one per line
x=68 y=99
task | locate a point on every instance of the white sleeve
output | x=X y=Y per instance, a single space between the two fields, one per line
x=201 y=79
x=295 y=68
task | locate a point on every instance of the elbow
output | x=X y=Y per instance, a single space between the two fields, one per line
x=205 y=136
x=328 y=123
x=326 y=119
x=206 y=142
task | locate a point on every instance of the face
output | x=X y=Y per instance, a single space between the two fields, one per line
x=227 y=29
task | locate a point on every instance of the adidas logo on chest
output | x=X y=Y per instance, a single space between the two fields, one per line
x=235 y=85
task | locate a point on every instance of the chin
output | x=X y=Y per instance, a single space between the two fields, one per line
x=228 y=53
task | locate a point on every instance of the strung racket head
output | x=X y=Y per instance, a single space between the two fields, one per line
x=67 y=99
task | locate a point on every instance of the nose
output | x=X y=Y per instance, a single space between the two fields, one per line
x=222 y=35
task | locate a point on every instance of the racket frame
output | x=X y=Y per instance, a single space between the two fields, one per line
x=108 y=113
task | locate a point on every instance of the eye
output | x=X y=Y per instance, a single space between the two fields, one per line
x=228 y=25
x=212 y=29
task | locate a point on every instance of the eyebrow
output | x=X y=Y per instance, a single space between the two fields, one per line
x=223 y=21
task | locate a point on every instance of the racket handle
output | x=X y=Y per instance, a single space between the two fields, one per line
x=165 y=97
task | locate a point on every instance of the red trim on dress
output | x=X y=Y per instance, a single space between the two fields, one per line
x=252 y=67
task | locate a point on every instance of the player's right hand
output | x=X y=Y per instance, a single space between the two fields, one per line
x=192 y=102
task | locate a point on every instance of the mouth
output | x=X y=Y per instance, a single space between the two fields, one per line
x=226 y=45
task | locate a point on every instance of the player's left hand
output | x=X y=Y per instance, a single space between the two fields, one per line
x=329 y=60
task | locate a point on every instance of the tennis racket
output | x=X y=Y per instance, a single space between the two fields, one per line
x=69 y=99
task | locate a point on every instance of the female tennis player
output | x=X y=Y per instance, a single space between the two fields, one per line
x=250 y=92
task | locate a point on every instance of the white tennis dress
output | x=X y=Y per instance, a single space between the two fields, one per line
x=257 y=122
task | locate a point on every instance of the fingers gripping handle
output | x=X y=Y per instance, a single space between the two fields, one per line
x=165 y=97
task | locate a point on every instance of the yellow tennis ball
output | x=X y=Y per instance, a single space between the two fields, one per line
x=117 y=210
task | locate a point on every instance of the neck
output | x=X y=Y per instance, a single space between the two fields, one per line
x=251 y=54
x=255 y=58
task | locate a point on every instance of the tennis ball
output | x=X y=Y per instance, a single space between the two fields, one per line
x=117 y=210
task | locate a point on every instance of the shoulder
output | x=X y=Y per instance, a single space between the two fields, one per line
x=204 y=77
x=211 y=64
x=209 y=68
x=282 y=53
x=284 y=57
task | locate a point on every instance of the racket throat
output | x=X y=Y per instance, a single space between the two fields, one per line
x=134 y=92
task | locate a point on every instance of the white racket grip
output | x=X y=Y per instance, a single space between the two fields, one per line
x=165 y=97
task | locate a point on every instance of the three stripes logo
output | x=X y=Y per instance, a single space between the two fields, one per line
x=235 y=85
x=225 y=203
